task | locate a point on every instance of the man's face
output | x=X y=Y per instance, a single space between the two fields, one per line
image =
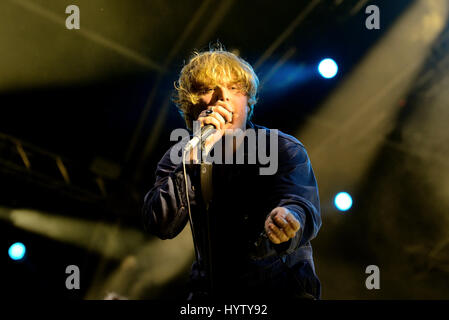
x=231 y=97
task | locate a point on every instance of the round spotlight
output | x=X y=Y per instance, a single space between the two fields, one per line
x=17 y=251
x=328 y=68
x=343 y=201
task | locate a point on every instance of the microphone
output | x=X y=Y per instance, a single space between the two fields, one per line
x=205 y=132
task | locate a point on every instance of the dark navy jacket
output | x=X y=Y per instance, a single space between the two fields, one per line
x=244 y=262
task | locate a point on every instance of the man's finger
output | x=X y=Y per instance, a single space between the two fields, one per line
x=210 y=120
x=284 y=225
x=293 y=222
x=278 y=232
x=273 y=237
x=225 y=113
x=225 y=105
x=219 y=117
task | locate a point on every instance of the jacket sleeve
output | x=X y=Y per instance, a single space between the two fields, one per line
x=165 y=210
x=295 y=188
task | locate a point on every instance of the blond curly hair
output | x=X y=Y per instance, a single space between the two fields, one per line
x=210 y=68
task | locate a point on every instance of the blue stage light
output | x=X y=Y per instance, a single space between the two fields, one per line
x=17 y=251
x=328 y=68
x=343 y=201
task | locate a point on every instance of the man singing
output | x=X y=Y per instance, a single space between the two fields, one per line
x=252 y=234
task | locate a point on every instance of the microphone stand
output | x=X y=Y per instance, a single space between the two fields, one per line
x=207 y=192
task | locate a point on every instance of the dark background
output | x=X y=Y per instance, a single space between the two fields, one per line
x=95 y=103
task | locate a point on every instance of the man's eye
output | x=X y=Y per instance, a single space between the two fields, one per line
x=236 y=88
x=207 y=90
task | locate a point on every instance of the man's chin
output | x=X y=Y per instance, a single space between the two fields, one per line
x=234 y=130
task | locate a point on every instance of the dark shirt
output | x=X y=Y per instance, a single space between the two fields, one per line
x=229 y=235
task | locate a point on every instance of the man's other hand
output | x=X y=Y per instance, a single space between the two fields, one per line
x=281 y=225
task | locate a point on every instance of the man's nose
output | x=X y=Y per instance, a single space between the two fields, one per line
x=222 y=93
